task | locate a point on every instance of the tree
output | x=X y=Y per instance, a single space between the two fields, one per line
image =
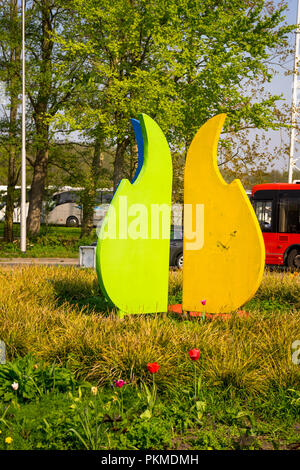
x=10 y=52
x=125 y=70
x=180 y=62
x=51 y=80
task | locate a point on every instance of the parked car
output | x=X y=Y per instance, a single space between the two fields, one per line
x=176 y=246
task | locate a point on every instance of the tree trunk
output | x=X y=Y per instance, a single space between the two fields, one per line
x=119 y=162
x=36 y=192
x=88 y=196
x=88 y=201
x=9 y=214
x=133 y=160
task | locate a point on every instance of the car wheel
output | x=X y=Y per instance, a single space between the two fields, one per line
x=293 y=259
x=179 y=261
x=72 y=221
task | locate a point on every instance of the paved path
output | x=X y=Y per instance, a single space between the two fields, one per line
x=39 y=261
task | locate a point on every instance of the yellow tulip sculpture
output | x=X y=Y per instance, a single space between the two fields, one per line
x=223 y=250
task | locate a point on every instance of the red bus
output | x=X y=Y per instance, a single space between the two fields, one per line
x=277 y=207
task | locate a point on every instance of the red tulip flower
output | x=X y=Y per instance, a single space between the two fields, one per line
x=153 y=367
x=203 y=302
x=194 y=354
x=120 y=383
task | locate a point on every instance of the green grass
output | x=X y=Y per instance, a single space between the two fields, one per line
x=228 y=421
x=248 y=390
x=53 y=241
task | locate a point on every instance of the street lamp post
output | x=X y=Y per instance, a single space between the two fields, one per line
x=293 y=161
x=23 y=154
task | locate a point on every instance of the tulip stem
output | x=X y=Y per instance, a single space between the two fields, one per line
x=95 y=410
x=195 y=379
x=153 y=391
x=122 y=403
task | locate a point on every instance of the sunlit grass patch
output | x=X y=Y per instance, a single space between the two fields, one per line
x=59 y=313
x=279 y=292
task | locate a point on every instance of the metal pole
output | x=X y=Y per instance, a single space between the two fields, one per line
x=294 y=99
x=23 y=154
x=2 y=352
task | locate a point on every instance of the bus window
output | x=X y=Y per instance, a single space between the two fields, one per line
x=64 y=198
x=289 y=215
x=263 y=210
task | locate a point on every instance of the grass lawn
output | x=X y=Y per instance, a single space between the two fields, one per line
x=53 y=241
x=63 y=338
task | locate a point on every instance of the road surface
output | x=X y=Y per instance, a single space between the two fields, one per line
x=39 y=261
